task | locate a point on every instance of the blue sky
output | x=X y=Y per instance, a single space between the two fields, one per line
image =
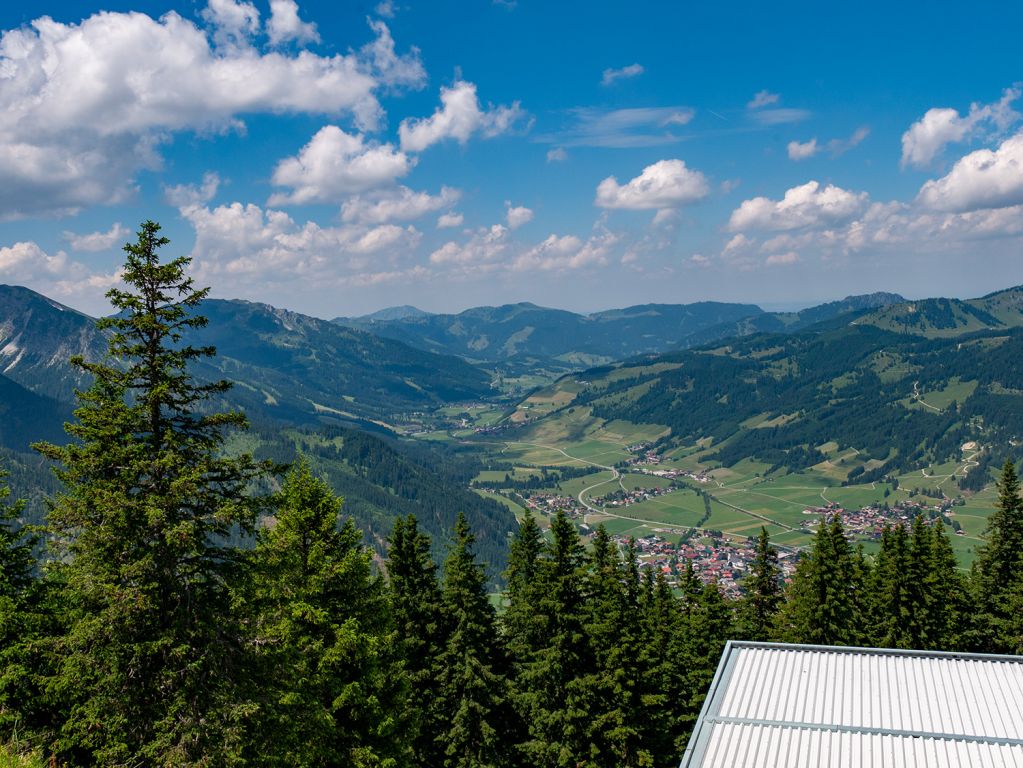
x=336 y=160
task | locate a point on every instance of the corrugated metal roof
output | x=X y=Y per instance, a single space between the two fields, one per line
x=791 y=705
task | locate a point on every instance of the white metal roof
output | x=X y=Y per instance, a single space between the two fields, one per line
x=817 y=706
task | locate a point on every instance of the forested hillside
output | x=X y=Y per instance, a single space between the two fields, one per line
x=901 y=401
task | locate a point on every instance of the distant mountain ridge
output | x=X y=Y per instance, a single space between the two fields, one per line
x=941 y=317
x=285 y=365
x=510 y=331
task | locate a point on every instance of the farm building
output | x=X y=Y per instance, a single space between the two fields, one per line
x=787 y=706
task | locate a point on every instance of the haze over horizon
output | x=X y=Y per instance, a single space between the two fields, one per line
x=340 y=160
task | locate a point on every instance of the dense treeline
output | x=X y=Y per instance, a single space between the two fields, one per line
x=147 y=638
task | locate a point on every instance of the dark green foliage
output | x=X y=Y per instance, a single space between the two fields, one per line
x=422 y=628
x=329 y=681
x=996 y=570
x=763 y=592
x=472 y=670
x=821 y=608
x=145 y=667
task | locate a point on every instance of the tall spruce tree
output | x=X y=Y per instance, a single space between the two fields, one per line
x=422 y=629
x=951 y=613
x=759 y=608
x=474 y=688
x=615 y=633
x=820 y=607
x=148 y=666
x=890 y=608
x=332 y=688
x=553 y=691
x=998 y=564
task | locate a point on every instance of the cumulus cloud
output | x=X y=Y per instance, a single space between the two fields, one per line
x=285 y=26
x=557 y=155
x=84 y=107
x=804 y=150
x=245 y=244
x=927 y=137
x=335 y=164
x=808 y=205
x=388 y=66
x=401 y=204
x=699 y=260
x=450 y=220
x=479 y=252
x=622 y=128
x=517 y=215
x=567 y=252
x=183 y=195
x=25 y=263
x=459 y=117
x=98 y=241
x=665 y=184
x=982 y=179
x=612 y=76
x=763 y=99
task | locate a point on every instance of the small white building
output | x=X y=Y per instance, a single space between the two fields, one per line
x=803 y=706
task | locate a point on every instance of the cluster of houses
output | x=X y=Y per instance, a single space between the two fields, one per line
x=871 y=520
x=622 y=498
x=714 y=557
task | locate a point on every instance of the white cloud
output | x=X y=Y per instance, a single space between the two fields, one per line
x=385 y=9
x=808 y=205
x=56 y=275
x=401 y=204
x=335 y=164
x=246 y=245
x=389 y=68
x=699 y=260
x=782 y=259
x=480 y=252
x=517 y=215
x=798 y=151
x=801 y=151
x=450 y=220
x=557 y=155
x=98 y=241
x=459 y=117
x=568 y=252
x=927 y=137
x=611 y=76
x=622 y=128
x=982 y=179
x=763 y=99
x=665 y=184
x=285 y=26
x=233 y=23
x=183 y=195
x=85 y=106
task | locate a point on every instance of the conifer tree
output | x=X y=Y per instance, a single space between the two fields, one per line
x=820 y=607
x=759 y=608
x=950 y=613
x=474 y=688
x=522 y=625
x=19 y=592
x=615 y=633
x=665 y=680
x=890 y=606
x=552 y=679
x=699 y=642
x=998 y=563
x=148 y=665
x=329 y=661
x=422 y=634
